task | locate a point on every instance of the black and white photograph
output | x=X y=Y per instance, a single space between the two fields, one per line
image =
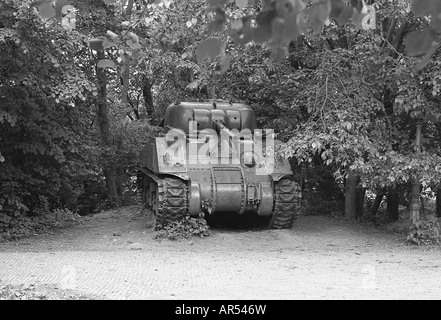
x=218 y=158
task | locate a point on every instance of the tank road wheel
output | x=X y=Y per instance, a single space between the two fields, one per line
x=286 y=193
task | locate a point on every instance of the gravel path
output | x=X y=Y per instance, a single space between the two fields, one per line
x=113 y=256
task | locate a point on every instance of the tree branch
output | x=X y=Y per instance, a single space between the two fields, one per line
x=129 y=8
x=307 y=43
x=398 y=41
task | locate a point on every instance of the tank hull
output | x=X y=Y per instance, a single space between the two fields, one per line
x=196 y=170
x=230 y=189
x=218 y=187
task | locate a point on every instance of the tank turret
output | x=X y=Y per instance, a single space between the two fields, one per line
x=234 y=115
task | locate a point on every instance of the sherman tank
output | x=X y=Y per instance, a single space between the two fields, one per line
x=211 y=160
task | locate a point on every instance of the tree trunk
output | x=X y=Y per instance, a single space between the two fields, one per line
x=125 y=79
x=438 y=201
x=129 y=9
x=414 y=207
x=360 y=195
x=342 y=38
x=422 y=205
x=148 y=96
x=119 y=170
x=392 y=205
x=398 y=41
x=391 y=29
x=378 y=198
x=104 y=127
x=351 y=195
x=112 y=193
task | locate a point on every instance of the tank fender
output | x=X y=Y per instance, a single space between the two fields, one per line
x=150 y=174
x=195 y=200
x=266 y=204
x=278 y=176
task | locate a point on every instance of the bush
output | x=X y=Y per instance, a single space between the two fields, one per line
x=14 y=228
x=184 y=229
x=424 y=231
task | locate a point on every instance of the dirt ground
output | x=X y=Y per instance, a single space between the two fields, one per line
x=113 y=255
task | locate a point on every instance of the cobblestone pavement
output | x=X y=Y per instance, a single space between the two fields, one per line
x=114 y=256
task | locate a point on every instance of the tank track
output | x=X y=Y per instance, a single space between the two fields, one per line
x=172 y=200
x=168 y=200
x=287 y=193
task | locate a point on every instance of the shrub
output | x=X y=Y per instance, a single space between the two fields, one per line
x=184 y=229
x=424 y=231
